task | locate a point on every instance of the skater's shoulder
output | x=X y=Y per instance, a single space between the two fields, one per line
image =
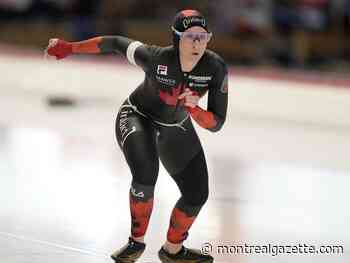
x=216 y=62
x=159 y=50
x=214 y=57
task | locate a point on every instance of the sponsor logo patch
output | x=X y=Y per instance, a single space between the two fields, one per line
x=124 y=126
x=170 y=82
x=199 y=85
x=200 y=78
x=162 y=70
x=191 y=20
x=224 y=85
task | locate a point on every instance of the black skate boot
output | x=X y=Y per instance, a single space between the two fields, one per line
x=185 y=255
x=129 y=253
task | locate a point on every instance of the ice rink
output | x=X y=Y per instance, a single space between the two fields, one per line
x=279 y=169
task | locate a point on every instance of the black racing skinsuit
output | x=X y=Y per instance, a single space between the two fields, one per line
x=152 y=123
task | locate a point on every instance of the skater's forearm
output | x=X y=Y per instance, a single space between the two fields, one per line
x=90 y=46
x=206 y=119
x=102 y=44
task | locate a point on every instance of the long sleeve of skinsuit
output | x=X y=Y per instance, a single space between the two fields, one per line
x=214 y=117
x=218 y=97
x=136 y=52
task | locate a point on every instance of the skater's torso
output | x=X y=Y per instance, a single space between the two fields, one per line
x=157 y=95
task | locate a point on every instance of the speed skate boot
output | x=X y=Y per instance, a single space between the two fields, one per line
x=129 y=253
x=185 y=255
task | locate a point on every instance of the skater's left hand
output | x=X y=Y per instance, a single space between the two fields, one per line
x=191 y=98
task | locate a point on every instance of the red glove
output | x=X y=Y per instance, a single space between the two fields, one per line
x=59 y=48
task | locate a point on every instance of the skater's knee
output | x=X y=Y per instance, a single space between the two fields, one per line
x=197 y=197
x=145 y=178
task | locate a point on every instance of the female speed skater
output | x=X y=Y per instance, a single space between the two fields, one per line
x=155 y=122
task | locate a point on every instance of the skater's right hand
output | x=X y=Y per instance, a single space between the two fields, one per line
x=58 y=48
x=191 y=98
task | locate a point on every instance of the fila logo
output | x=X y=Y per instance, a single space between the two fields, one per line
x=162 y=70
x=140 y=194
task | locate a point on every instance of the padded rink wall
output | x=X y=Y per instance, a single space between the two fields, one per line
x=309 y=103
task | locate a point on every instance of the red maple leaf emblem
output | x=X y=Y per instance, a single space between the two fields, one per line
x=170 y=98
x=180 y=223
x=140 y=215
